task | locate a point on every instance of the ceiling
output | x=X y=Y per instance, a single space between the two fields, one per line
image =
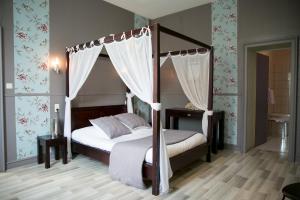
x=153 y=9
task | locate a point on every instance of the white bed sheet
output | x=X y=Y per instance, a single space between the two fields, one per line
x=90 y=136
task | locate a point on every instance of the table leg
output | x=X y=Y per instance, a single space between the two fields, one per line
x=214 y=148
x=167 y=121
x=57 y=152
x=175 y=123
x=64 y=153
x=47 y=156
x=208 y=156
x=39 y=152
x=221 y=132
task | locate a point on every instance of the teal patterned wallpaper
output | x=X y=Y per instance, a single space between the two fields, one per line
x=140 y=21
x=32 y=119
x=229 y=105
x=31 y=46
x=31 y=51
x=224 y=40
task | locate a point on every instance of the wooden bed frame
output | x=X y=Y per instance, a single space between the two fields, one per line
x=80 y=118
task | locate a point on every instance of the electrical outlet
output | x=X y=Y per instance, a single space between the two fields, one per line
x=56 y=107
x=9 y=86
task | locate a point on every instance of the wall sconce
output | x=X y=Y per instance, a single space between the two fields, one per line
x=55 y=65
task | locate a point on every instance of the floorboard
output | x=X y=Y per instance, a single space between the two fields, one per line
x=256 y=175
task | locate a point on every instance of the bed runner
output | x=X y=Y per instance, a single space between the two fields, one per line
x=127 y=158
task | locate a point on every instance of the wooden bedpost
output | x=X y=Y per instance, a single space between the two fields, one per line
x=67 y=73
x=67 y=85
x=156 y=114
x=210 y=102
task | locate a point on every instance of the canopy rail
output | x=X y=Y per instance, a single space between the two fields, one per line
x=184 y=52
x=173 y=53
x=134 y=33
x=108 y=39
x=184 y=37
x=103 y=55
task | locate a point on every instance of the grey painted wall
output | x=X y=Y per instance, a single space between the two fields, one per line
x=196 y=23
x=71 y=22
x=7 y=24
x=262 y=21
x=2 y=152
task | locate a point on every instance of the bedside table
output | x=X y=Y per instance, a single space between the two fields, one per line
x=44 y=143
x=218 y=123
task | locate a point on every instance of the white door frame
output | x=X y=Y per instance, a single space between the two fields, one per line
x=2 y=149
x=292 y=124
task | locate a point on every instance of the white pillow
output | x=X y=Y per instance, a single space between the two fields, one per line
x=111 y=126
x=100 y=132
x=97 y=133
x=131 y=120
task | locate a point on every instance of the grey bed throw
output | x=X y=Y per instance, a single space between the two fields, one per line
x=127 y=158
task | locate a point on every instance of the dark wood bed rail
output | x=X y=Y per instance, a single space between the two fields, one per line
x=177 y=162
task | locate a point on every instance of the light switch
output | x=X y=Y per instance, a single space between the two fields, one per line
x=56 y=107
x=9 y=86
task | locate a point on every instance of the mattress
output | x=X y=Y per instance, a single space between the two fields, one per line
x=90 y=136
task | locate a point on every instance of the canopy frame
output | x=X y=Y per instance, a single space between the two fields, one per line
x=156 y=30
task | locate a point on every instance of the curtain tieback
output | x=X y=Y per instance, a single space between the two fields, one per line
x=156 y=106
x=129 y=95
x=209 y=112
x=67 y=99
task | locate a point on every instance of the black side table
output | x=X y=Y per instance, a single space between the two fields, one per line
x=43 y=147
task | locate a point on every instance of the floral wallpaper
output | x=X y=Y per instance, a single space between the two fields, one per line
x=32 y=119
x=31 y=46
x=229 y=105
x=224 y=40
x=31 y=51
x=140 y=21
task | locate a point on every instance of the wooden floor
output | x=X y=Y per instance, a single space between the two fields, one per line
x=255 y=175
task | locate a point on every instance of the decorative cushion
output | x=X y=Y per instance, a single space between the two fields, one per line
x=111 y=126
x=131 y=120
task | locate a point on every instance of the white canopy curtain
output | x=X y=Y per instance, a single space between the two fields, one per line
x=193 y=74
x=130 y=95
x=80 y=66
x=132 y=59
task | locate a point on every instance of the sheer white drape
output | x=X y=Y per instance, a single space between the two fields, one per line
x=129 y=96
x=193 y=74
x=80 y=66
x=163 y=60
x=132 y=59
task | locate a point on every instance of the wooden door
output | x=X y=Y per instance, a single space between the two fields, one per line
x=262 y=79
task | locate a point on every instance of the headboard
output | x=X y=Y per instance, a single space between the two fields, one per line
x=80 y=115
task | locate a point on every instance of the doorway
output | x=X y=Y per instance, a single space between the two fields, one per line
x=270 y=78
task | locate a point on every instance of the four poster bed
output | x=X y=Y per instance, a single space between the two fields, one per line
x=158 y=167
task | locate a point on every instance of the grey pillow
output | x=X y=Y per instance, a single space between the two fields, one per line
x=111 y=126
x=131 y=120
